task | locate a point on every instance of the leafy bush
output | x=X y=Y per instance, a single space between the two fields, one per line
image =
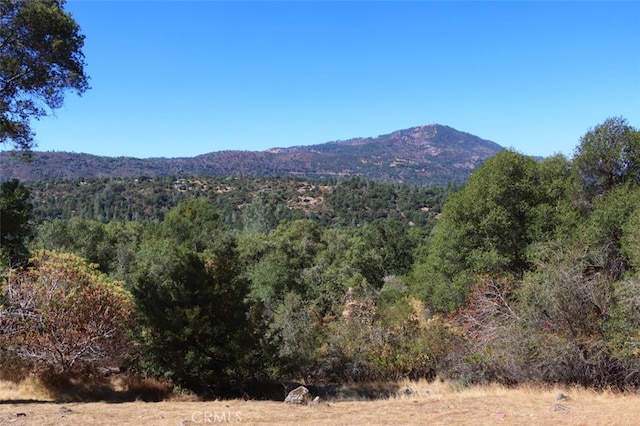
x=63 y=315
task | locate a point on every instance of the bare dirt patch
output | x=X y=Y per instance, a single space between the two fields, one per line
x=414 y=404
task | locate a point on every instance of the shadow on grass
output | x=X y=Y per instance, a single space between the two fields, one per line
x=273 y=391
x=119 y=389
x=26 y=401
x=356 y=391
x=105 y=389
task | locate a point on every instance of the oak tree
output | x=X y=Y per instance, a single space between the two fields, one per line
x=487 y=228
x=608 y=156
x=41 y=59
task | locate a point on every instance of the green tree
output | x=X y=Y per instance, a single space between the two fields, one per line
x=189 y=291
x=557 y=213
x=390 y=239
x=486 y=228
x=344 y=261
x=608 y=156
x=278 y=265
x=192 y=314
x=16 y=221
x=622 y=331
x=125 y=238
x=40 y=59
x=191 y=223
x=295 y=337
x=608 y=226
x=630 y=241
x=86 y=238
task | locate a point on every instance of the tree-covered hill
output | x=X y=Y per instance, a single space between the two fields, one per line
x=431 y=154
x=238 y=200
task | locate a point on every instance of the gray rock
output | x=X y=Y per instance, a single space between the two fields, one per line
x=560 y=407
x=299 y=395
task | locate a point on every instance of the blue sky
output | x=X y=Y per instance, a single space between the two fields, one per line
x=183 y=78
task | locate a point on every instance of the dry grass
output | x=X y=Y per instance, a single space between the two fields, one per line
x=430 y=403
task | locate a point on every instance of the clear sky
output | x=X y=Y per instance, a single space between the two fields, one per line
x=183 y=78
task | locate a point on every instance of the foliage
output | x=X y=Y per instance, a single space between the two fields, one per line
x=557 y=213
x=300 y=275
x=566 y=295
x=40 y=59
x=16 y=222
x=83 y=237
x=622 y=331
x=606 y=226
x=111 y=246
x=390 y=241
x=564 y=322
x=365 y=344
x=239 y=280
x=254 y=205
x=191 y=306
x=291 y=248
x=65 y=316
x=295 y=335
x=608 y=156
x=630 y=239
x=540 y=266
x=192 y=224
x=486 y=227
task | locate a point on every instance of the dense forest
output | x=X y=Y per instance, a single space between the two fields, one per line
x=528 y=273
x=240 y=202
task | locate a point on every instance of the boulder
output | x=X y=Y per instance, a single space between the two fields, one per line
x=299 y=395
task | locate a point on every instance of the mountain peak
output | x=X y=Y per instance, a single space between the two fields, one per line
x=428 y=154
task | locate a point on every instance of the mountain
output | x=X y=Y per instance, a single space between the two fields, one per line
x=431 y=154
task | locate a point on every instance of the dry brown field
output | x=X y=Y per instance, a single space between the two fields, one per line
x=434 y=403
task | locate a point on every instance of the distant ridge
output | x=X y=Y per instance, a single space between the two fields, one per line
x=430 y=154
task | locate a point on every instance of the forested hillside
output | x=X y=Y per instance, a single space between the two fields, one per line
x=529 y=273
x=426 y=155
x=239 y=201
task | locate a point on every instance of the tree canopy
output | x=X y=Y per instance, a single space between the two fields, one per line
x=40 y=59
x=487 y=227
x=16 y=214
x=608 y=155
